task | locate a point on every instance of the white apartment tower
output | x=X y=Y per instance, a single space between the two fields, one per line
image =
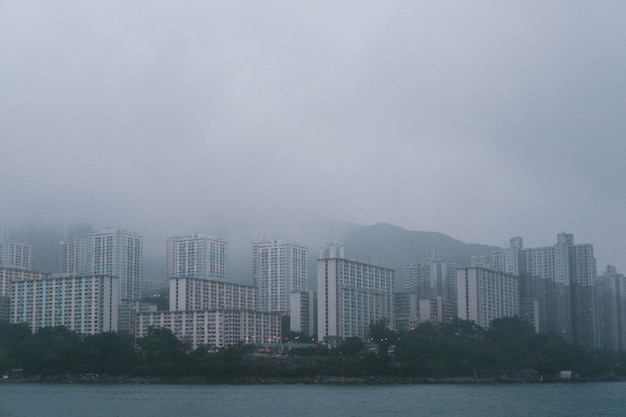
x=196 y=256
x=279 y=267
x=118 y=253
x=15 y=255
x=75 y=250
x=485 y=294
x=351 y=295
x=85 y=304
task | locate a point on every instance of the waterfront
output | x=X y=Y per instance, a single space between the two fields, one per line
x=512 y=400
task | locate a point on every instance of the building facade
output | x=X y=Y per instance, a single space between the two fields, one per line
x=118 y=253
x=195 y=256
x=279 y=267
x=557 y=287
x=612 y=309
x=485 y=294
x=214 y=328
x=188 y=294
x=434 y=281
x=85 y=304
x=351 y=296
x=406 y=311
x=303 y=312
x=15 y=255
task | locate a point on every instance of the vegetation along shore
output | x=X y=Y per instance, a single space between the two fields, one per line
x=455 y=352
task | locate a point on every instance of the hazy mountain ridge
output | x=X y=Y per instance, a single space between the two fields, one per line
x=380 y=244
x=393 y=247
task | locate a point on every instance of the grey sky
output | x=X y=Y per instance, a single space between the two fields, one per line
x=482 y=120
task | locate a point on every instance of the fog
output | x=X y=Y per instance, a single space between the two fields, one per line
x=482 y=121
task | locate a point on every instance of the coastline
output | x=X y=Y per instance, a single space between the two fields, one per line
x=314 y=380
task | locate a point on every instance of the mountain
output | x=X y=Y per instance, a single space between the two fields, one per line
x=380 y=244
x=393 y=247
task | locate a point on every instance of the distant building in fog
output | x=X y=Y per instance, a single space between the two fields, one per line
x=434 y=281
x=612 y=309
x=15 y=255
x=557 y=287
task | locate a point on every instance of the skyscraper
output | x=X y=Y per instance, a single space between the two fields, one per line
x=485 y=295
x=351 y=296
x=15 y=255
x=196 y=256
x=75 y=250
x=612 y=309
x=118 y=253
x=561 y=282
x=434 y=281
x=279 y=267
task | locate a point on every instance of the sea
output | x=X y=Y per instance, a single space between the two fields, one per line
x=278 y=400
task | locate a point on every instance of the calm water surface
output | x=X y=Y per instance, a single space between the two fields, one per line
x=52 y=400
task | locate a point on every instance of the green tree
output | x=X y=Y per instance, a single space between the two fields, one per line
x=351 y=346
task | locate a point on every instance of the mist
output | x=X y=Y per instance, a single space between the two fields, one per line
x=480 y=121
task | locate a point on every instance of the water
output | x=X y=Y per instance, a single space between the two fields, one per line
x=571 y=400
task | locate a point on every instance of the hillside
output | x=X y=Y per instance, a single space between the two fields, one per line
x=392 y=247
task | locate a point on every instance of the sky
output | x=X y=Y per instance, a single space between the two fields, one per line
x=481 y=120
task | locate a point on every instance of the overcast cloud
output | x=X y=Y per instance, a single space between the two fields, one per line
x=482 y=120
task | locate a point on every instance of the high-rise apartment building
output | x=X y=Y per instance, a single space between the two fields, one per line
x=188 y=294
x=612 y=309
x=214 y=328
x=196 y=256
x=213 y=313
x=485 y=294
x=303 y=312
x=351 y=295
x=558 y=283
x=45 y=255
x=75 y=250
x=279 y=267
x=434 y=281
x=15 y=255
x=85 y=304
x=118 y=253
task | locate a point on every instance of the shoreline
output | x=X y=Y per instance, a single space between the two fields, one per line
x=318 y=380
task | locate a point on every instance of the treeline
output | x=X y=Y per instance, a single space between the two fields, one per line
x=433 y=350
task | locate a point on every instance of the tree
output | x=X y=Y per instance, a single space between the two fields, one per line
x=351 y=346
x=380 y=331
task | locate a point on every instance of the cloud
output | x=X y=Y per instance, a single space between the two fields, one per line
x=477 y=120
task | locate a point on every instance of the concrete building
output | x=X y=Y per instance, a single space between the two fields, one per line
x=196 y=256
x=15 y=255
x=612 y=309
x=75 y=250
x=43 y=239
x=214 y=328
x=434 y=281
x=279 y=267
x=189 y=294
x=406 y=307
x=85 y=304
x=485 y=294
x=118 y=253
x=557 y=287
x=303 y=312
x=351 y=295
